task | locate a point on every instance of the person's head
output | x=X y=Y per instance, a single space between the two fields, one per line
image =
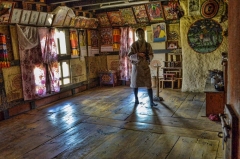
x=158 y=27
x=140 y=34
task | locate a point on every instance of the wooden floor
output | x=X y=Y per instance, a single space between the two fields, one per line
x=104 y=123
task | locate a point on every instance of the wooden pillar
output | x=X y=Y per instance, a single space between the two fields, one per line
x=233 y=87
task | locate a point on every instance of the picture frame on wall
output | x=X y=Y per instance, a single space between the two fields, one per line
x=155 y=12
x=127 y=16
x=103 y=19
x=140 y=13
x=6 y=10
x=34 y=18
x=115 y=18
x=72 y=22
x=170 y=10
x=16 y=15
x=159 y=32
x=25 y=17
x=49 y=19
x=42 y=18
x=171 y=44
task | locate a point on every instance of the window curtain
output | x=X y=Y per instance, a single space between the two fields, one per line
x=126 y=41
x=38 y=61
x=31 y=63
x=49 y=52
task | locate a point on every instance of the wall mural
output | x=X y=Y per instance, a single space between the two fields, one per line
x=155 y=12
x=209 y=9
x=205 y=35
x=193 y=7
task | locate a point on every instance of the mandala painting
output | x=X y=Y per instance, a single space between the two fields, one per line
x=205 y=36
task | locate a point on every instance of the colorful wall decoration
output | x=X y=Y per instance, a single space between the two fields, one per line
x=115 y=18
x=170 y=11
x=74 y=42
x=78 y=70
x=101 y=63
x=140 y=13
x=5 y=31
x=159 y=32
x=106 y=36
x=209 y=8
x=155 y=12
x=5 y=11
x=127 y=16
x=92 y=66
x=13 y=83
x=94 y=38
x=193 y=7
x=113 y=62
x=205 y=35
x=103 y=20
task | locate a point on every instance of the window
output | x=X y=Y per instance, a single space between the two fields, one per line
x=64 y=71
x=63 y=41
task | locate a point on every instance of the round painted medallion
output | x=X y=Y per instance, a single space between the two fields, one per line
x=205 y=36
x=209 y=8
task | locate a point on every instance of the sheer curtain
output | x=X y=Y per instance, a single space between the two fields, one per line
x=49 y=52
x=126 y=41
x=35 y=61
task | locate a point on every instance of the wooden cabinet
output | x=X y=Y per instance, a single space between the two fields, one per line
x=215 y=100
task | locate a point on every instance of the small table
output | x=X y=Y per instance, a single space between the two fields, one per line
x=214 y=99
x=108 y=77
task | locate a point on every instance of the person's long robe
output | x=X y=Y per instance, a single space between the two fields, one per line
x=141 y=75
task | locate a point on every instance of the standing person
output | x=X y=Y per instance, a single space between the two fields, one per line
x=140 y=54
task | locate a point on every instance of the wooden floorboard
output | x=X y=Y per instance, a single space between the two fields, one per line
x=104 y=122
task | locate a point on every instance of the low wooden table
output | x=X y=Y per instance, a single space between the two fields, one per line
x=214 y=99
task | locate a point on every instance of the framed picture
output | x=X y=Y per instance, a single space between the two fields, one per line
x=140 y=13
x=103 y=19
x=34 y=17
x=49 y=19
x=72 y=22
x=16 y=15
x=5 y=11
x=172 y=45
x=170 y=11
x=42 y=18
x=194 y=7
x=25 y=17
x=155 y=12
x=159 y=32
x=127 y=16
x=115 y=18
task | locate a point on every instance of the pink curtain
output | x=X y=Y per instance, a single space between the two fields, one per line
x=31 y=62
x=49 y=54
x=38 y=53
x=126 y=41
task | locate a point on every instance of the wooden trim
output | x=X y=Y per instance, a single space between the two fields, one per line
x=19 y=109
x=52 y=98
